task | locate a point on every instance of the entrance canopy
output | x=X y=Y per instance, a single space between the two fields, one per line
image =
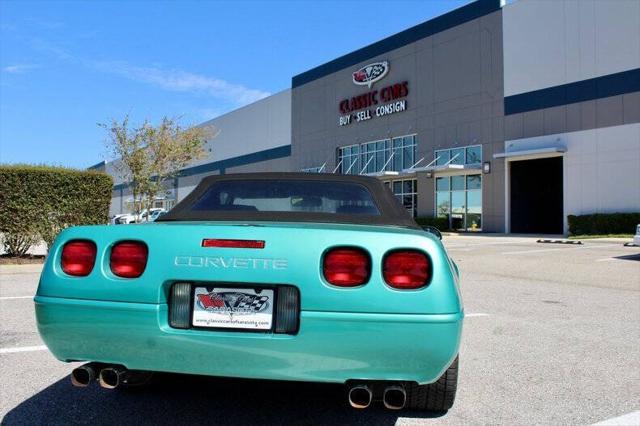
x=450 y=167
x=530 y=154
x=386 y=174
x=447 y=169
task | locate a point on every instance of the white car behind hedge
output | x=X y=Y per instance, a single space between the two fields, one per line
x=131 y=218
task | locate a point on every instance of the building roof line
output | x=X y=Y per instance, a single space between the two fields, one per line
x=240 y=108
x=433 y=26
x=221 y=165
x=97 y=165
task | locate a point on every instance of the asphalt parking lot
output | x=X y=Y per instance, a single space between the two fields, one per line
x=551 y=337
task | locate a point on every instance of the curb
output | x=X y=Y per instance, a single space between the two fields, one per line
x=577 y=242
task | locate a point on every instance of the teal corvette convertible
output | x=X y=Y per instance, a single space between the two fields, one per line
x=282 y=276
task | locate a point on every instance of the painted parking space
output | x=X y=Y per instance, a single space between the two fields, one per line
x=629 y=419
x=534 y=325
x=22 y=349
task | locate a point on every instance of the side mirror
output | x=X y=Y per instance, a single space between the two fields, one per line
x=433 y=230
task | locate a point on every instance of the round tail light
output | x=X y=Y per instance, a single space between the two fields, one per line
x=346 y=267
x=78 y=257
x=129 y=259
x=406 y=269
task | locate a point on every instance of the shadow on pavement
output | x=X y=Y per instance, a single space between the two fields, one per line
x=181 y=399
x=629 y=257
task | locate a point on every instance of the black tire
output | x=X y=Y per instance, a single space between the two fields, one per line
x=437 y=396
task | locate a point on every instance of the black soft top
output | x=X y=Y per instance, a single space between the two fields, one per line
x=390 y=210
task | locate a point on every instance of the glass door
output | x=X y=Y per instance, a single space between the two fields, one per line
x=459 y=199
x=473 y=218
x=458 y=203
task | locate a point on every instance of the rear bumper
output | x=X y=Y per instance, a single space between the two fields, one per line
x=330 y=346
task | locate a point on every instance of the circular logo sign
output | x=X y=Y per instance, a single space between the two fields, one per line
x=371 y=73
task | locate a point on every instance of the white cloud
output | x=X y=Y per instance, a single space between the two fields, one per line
x=182 y=81
x=45 y=46
x=167 y=79
x=19 y=68
x=46 y=24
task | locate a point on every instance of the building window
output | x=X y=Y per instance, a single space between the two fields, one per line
x=393 y=154
x=405 y=152
x=375 y=155
x=473 y=154
x=468 y=155
x=349 y=159
x=459 y=199
x=406 y=191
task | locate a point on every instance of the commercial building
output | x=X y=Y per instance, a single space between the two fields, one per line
x=500 y=118
x=572 y=111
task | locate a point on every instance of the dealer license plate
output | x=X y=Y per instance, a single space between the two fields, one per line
x=240 y=308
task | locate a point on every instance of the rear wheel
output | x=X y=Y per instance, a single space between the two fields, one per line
x=437 y=396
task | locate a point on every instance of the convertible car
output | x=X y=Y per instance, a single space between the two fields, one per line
x=281 y=276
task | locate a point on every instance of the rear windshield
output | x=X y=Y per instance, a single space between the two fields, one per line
x=287 y=196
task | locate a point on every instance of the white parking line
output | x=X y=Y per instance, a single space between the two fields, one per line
x=16 y=297
x=533 y=251
x=597 y=246
x=495 y=243
x=624 y=420
x=559 y=249
x=616 y=259
x=22 y=349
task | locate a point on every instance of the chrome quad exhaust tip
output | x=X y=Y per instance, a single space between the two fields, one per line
x=112 y=377
x=394 y=397
x=115 y=375
x=360 y=396
x=108 y=376
x=84 y=375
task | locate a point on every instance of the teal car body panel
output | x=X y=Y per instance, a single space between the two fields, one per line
x=175 y=254
x=330 y=346
x=368 y=332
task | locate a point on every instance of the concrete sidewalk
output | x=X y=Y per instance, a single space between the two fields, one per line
x=29 y=268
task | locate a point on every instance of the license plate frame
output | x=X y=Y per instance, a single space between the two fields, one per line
x=221 y=317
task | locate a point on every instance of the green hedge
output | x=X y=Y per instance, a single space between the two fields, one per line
x=603 y=224
x=40 y=201
x=441 y=223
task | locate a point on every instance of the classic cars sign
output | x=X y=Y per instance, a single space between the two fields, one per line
x=371 y=73
x=374 y=103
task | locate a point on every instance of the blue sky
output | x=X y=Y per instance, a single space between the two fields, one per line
x=66 y=66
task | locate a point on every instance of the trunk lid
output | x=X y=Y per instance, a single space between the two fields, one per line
x=292 y=255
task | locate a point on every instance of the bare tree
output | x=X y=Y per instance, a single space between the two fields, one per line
x=147 y=156
x=171 y=148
